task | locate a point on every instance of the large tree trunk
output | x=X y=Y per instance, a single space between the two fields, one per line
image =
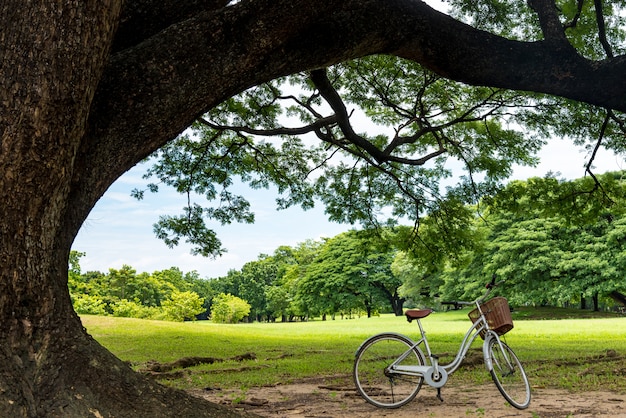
x=49 y=365
x=618 y=297
x=397 y=303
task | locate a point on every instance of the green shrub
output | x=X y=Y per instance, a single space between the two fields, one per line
x=127 y=309
x=151 y=312
x=89 y=305
x=229 y=309
x=183 y=305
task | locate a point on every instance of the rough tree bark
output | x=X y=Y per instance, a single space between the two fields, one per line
x=90 y=87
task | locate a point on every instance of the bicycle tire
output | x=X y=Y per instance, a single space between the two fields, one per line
x=507 y=373
x=374 y=382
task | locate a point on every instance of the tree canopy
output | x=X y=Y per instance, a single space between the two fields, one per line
x=429 y=148
x=89 y=88
x=553 y=258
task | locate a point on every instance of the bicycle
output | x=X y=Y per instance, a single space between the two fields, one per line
x=389 y=368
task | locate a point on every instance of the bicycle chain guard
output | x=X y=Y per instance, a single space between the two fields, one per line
x=429 y=377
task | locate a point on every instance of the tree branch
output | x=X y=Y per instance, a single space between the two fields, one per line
x=602 y=28
x=315 y=126
x=588 y=166
x=574 y=22
x=328 y=92
x=551 y=26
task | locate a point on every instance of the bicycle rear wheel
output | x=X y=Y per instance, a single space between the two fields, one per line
x=375 y=382
x=508 y=373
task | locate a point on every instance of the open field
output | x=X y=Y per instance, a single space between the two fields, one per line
x=575 y=354
x=231 y=362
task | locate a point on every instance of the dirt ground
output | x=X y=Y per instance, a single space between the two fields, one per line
x=318 y=398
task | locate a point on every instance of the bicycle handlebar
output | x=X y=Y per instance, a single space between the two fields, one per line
x=492 y=283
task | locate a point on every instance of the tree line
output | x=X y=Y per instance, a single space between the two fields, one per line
x=549 y=255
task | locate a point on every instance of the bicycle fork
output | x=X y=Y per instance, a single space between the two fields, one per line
x=492 y=361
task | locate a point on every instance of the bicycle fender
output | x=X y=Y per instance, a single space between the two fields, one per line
x=395 y=334
x=488 y=362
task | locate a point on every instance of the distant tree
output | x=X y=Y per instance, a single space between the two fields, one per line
x=203 y=288
x=581 y=201
x=256 y=277
x=295 y=267
x=74 y=263
x=147 y=289
x=125 y=293
x=591 y=267
x=419 y=282
x=125 y=308
x=266 y=283
x=548 y=256
x=525 y=251
x=381 y=278
x=349 y=273
x=278 y=302
x=171 y=279
x=75 y=282
x=121 y=279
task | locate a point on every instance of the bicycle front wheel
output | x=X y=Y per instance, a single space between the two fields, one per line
x=373 y=377
x=508 y=373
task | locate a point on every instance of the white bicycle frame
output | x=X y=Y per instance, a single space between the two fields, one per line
x=434 y=374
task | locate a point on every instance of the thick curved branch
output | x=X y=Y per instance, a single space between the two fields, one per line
x=333 y=98
x=151 y=92
x=596 y=148
x=141 y=19
x=156 y=89
x=328 y=92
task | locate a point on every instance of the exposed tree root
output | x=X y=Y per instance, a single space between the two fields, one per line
x=186 y=362
x=85 y=380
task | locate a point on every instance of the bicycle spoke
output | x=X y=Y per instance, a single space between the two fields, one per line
x=508 y=374
x=375 y=382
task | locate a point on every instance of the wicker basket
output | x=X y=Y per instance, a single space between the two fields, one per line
x=497 y=313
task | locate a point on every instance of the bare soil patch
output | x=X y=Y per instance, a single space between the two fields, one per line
x=336 y=397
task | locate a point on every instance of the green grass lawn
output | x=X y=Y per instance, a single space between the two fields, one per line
x=577 y=354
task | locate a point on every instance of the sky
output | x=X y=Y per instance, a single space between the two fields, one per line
x=119 y=229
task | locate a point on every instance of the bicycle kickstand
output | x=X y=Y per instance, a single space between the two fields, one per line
x=439 y=394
